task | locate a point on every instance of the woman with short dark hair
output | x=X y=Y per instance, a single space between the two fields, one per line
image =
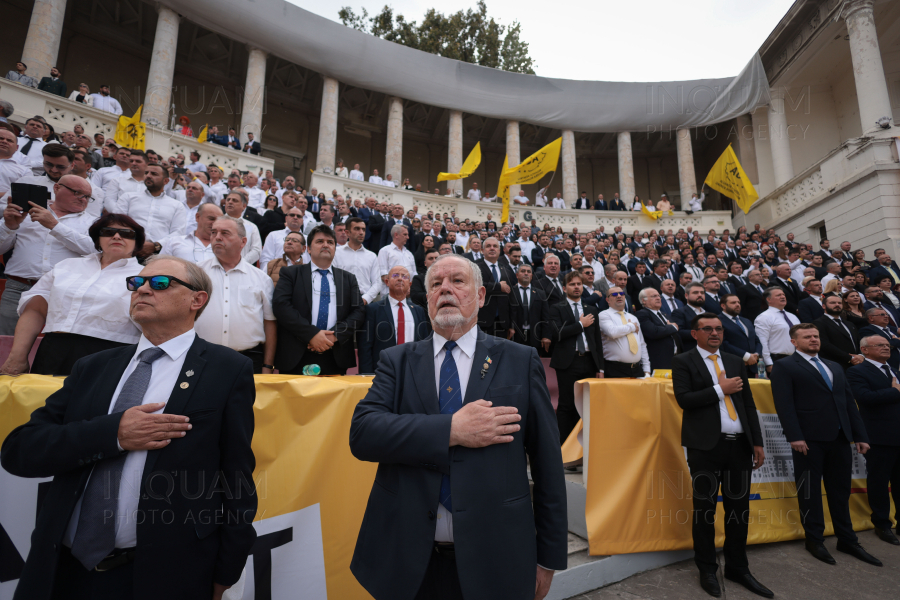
x=82 y=304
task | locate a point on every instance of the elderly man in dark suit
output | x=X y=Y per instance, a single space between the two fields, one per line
x=782 y=279
x=880 y=324
x=820 y=420
x=877 y=392
x=724 y=442
x=751 y=296
x=319 y=308
x=739 y=336
x=391 y=321
x=442 y=418
x=660 y=334
x=171 y=404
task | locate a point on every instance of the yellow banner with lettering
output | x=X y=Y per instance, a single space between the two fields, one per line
x=468 y=167
x=529 y=170
x=728 y=177
x=131 y=132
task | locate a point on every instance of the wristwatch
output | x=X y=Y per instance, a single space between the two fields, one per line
x=269 y=367
x=156 y=247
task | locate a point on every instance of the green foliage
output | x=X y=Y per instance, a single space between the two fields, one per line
x=471 y=36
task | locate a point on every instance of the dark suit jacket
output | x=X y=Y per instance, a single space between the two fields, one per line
x=253 y=216
x=870 y=330
x=538 y=316
x=735 y=341
x=57 y=87
x=836 y=345
x=292 y=304
x=73 y=431
x=711 y=305
x=661 y=340
x=565 y=263
x=634 y=285
x=600 y=205
x=417 y=291
x=272 y=220
x=752 y=302
x=616 y=204
x=496 y=301
x=550 y=291
x=378 y=332
x=701 y=424
x=879 y=402
x=565 y=329
x=683 y=317
x=887 y=306
x=736 y=283
x=807 y=409
x=879 y=271
x=653 y=281
x=254 y=147
x=791 y=293
x=809 y=310
x=386 y=234
x=374 y=223
x=667 y=310
x=398 y=425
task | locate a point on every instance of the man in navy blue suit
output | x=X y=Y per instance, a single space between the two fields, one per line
x=875 y=299
x=660 y=334
x=600 y=203
x=877 y=392
x=391 y=321
x=739 y=337
x=397 y=218
x=667 y=296
x=820 y=420
x=810 y=308
x=684 y=316
x=442 y=419
x=880 y=324
x=711 y=300
x=885 y=267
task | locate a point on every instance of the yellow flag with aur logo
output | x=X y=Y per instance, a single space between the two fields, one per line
x=529 y=170
x=130 y=132
x=468 y=167
x=728 y=177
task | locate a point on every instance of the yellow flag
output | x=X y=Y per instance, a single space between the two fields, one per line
x=656 y=214
x=534 y=167
x=202 y=137
x=472 y=162
x=503 y=193
x=130 y=132
x=728 y=177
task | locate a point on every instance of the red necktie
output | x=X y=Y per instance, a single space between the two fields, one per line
x=401 y=324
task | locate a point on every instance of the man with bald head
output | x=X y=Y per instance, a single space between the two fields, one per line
x=196 y=246
x=41 y=237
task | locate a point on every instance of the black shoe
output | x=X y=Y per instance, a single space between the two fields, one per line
x=749 y=581
x=710 y=584
x=818 y=550
x=888 y=536
x=859 y=552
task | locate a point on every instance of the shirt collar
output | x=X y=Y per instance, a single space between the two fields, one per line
x=394 y=302
x=878 y=365
x=808 y=357
x=173 y=348
x=466 y=342
x=705 y=355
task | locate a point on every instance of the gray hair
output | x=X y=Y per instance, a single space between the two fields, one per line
x=610 y=269
x=240 y=192
x=642 y=295
x=239 y=223
x=874 y=310
x=195 y=276
x=476 y=272
x=864 y=342
x=7 y=108
x=397 y=229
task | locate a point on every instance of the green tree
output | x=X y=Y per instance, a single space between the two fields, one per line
x=471 y=36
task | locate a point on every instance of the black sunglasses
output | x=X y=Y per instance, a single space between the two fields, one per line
x=125 y=234
x=157 y=282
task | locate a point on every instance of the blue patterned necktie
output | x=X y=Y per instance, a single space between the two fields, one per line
x=450 y=400
x=324 y=299
x=496 y=280
x=822 y=370
x=95 y=536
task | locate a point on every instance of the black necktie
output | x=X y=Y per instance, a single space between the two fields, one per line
x=27 y=147
x=887 y=371
x=524 y=293
x=579 y=341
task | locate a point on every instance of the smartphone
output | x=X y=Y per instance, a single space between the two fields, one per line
x=23 y=193
x=179 y=170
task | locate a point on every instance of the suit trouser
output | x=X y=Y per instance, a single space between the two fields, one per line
x=831 y=462
x=883 y=466
x=9 y=304
x=582 y=367
x=728 y=465
x=441 y=580
x=74 y=582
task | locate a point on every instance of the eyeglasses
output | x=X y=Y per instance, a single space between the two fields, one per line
x=617 y=294
x=157 y=282
x=49 y=166
x=78 y=195
x=708 y=330
x=400 y=275
x=125 y=234
x=879 y=346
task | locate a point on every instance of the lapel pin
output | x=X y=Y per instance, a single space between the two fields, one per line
x=189 y=373
x=485 y=366
x=184 y=385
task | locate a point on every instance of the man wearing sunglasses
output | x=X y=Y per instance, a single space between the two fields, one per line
x=721 y=432
x=128 y=425
x=41 y=238
x=57 y=161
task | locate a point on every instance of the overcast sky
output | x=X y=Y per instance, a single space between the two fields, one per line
x=605 y=40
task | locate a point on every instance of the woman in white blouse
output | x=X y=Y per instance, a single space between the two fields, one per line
x=82 y=304
x=83 y=95
x=340 y=170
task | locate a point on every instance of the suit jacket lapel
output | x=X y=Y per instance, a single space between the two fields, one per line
x=306 y=276
x=699 y=362
x=116 y=368
x=484 y=348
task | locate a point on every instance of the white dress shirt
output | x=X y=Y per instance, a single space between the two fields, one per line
x=615 y=338
x=827 y=278
x=559 y=203
x=375 y=179
x=102 y=177
x=540 y=199
x=10 y=172
x=527 y=246
x=188 y=247
x=274 y=246
x=728 y=426
x=39 y=249
x=164 y=374
x=317 y=292
x=474 y=195
x=773 y=333
x=409 y=322
x=253 y=248
x=341 y=172
x=363 y=263
x=696 y=204
x=216 y=191
x=578 y=310
x=391 y=256
x=464 y=356
x=356 y=175
x=389 y=183
x=118 y=187
x=196 y=167
x=82 y=298
x=160 y=216
x=241 y=301
x=256 y=198
x=107 y=103
x=34 y=160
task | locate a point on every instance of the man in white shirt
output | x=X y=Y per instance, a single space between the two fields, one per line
x=695 y=204
x=356 y=259
x=239 y=315
x=104 y=175
x=104 y=101
x=57 y=162
x=474 y=193
x=256 y=198
x=10 y=169
x=41 y=238
x=523 y=200
x=235 y=207
x=773 y=327
x=30 y=144
x=81 y=166
x=356 y=174
x=540 y=199
x=624 y=349
x=389 y=181
x=558 y=202
x=195 y=165
x=395 y=253
x=125 y=184
x=834 y=272
x=216 y=188
x=192 y=197
x=525 y=242
x=159 y=214
x=195 y=246
x=374 y=178
x=274 y=246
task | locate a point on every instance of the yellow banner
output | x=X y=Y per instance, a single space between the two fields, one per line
x=639 y=484
x=202 y=137
x=130 y=131
x=503 y=193
x=468 y=167
x=534 y=167
x=728 y=177
x=656 y=214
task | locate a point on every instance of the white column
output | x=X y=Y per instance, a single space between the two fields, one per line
x=393 y=156
x=782 y=162
x=42 y=41
x=746 y=147
x=254 y=103
x=158 y=96
x=328 y=126
x=626 y=168
x=687 y=177
x=455 y=150
x=569 y=169
x=513 y=153
x=868 y=71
